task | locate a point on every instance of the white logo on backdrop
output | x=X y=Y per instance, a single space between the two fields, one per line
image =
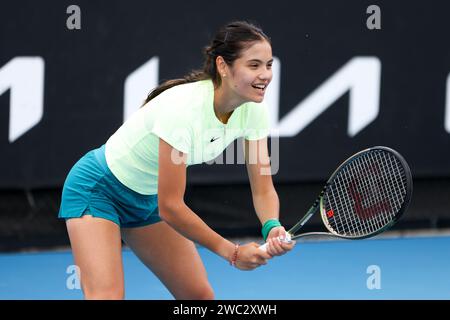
x=24 y=77
x=447 y=106
x=361 y=77
x=138 y=84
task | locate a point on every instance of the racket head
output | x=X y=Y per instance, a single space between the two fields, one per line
x=367 y=193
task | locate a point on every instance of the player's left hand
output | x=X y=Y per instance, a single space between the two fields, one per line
x=276 y=246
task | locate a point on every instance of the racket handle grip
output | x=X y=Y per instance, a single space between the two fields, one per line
x=287 y=239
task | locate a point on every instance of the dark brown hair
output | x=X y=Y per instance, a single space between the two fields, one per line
x=228 y=43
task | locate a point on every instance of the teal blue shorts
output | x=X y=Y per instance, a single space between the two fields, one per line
x=92 y=189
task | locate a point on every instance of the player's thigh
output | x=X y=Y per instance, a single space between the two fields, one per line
x=172 y=258
x=97 y=249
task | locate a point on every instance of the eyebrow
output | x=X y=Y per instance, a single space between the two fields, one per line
x=259 y=61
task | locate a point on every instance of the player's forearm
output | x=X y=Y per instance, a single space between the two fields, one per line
x=267 y=205
x=186 y=222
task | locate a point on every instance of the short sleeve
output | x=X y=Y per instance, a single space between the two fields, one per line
x=258 y=126
x=175 y=130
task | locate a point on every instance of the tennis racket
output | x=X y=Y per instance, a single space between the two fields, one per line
x=365 y=196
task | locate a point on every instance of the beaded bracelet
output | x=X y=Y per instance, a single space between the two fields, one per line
x=235 y=254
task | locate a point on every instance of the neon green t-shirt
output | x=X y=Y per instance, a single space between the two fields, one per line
x=184 y=117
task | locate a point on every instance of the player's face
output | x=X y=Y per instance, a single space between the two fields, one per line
x=252 y=72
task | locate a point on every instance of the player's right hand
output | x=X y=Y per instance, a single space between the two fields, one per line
x=250 y=257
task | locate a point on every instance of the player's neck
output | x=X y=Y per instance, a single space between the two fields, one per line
x=225 y=104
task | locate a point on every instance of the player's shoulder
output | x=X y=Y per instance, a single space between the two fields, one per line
x=186 y=92
x=183 y=100
x=178 y=106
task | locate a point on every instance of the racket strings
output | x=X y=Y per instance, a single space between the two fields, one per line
x=380 y=198
x=342 y=223
x=368 y=177
x=371 y=202
x=366 y=194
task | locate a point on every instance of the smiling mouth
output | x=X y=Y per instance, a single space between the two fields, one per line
x=261 y=87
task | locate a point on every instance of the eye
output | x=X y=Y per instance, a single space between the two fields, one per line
x=253 y=66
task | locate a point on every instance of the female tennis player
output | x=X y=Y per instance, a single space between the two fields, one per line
x=132 y=187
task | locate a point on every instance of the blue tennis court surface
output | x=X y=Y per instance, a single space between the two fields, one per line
x=384 y=268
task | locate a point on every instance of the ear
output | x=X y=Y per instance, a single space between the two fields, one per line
x=222 y=67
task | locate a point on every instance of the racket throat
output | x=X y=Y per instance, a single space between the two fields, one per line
x=302 y=222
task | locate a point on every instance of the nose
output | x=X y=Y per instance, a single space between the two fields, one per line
x=266 y=74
